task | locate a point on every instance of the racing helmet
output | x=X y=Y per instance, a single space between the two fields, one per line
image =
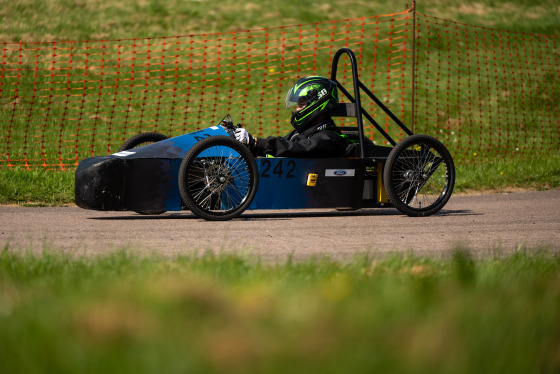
x=310 y=98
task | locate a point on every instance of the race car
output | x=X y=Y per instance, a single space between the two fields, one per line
x=216 y=177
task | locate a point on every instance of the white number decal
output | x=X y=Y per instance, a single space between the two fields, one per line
x=123 y=153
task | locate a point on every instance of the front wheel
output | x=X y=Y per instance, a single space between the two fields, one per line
x=218 y=178
x=419 y=175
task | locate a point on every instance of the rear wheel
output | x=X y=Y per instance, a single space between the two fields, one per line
x=419 y=175
x=218 y=178
x=142 y=139
x=139 y=140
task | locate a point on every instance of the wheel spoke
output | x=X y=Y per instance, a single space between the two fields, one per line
x=218 y=178
x=225 y=177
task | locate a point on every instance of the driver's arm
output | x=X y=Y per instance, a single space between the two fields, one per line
x=322 y=144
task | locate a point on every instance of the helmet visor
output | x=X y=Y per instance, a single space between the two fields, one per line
x=299 y=99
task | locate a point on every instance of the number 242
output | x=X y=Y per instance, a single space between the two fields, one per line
x=278 y=170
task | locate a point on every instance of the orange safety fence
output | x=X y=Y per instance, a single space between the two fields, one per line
x=479 y=90
x=64 y=101
x=486 y=93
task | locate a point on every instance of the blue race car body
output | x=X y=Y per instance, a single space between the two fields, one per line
x=146 y=179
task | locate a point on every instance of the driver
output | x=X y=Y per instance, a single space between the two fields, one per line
x=311 y=100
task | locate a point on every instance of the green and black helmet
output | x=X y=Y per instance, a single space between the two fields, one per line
x=310 y=98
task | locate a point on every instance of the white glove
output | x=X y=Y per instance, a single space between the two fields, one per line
x=243 y=136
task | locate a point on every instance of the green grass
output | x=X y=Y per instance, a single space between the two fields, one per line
x=36 y=187
x=118 y=83
x=502 y=174
x=103 y=100
x=74 y=129
x=124 y=313
x=48 y=20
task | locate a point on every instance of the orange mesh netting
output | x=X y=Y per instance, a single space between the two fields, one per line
x=479 y=90
x=485 y=92
x=63 y=101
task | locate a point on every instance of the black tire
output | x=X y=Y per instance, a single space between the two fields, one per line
x=218 y=178
x=142 y=139
x=419 y=176
x=139 y=140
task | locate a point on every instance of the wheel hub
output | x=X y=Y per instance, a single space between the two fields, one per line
x=218 y=175
x=411 y=175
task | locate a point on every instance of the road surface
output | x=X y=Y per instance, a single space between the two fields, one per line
x=481 y=223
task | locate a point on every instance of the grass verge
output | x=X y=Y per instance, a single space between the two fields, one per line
x=533 y=173
x=222 y=314
x=47 y=20
x=36 y=187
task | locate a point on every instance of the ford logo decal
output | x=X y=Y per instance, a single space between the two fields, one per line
x=340 y=172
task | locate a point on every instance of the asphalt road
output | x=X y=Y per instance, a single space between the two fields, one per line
x=481 y=223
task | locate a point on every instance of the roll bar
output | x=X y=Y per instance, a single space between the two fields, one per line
x=355 y=108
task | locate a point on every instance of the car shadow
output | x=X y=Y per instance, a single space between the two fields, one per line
x=283 y=215
x=457 y=212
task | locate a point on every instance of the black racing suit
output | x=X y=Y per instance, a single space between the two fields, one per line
x=320 y=140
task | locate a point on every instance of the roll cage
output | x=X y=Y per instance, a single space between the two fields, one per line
x=355 y=109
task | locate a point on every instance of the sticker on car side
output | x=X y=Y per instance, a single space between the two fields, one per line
x=340 y=172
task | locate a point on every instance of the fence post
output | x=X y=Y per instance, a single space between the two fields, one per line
x=413 y=62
